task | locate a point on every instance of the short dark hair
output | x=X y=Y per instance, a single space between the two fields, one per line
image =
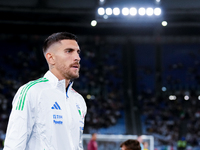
x=131 y=144
x=56 y=37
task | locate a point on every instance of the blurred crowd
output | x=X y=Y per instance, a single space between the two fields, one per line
x=172 y=114
x=101 y=84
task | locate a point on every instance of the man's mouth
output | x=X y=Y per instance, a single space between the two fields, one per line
x=75 y=66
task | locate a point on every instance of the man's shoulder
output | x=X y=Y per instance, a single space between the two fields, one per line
x=35 y=85
x=75 y=92
x=77 y=95
x=79 y=98
x=28 y=92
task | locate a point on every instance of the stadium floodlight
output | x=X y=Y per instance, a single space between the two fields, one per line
x=141 y=11
x=105 y=16
x=149 y=11
x=93 y=23
x=133 y=11
x=186 y=97
x=101 y=11
x=157 y=11
x=172 y=97
x=164 y=89
x=88 y=96
x=108 y=11
x=164 y=23
x=101 y=2
x=125 y=11
x=116 y=11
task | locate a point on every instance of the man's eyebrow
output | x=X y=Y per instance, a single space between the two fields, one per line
x=79 y=50
x=69 y=48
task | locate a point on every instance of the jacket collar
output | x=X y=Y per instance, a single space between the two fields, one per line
x=52 y=78
x=60 y=84
x=55 y=82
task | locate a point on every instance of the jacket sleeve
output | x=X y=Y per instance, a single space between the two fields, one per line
x=21 y=120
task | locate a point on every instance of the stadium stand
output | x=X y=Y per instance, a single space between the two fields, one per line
x=101 y=82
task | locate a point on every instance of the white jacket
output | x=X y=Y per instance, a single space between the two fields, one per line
x=45 y=117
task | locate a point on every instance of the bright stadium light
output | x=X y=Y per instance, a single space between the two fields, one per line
x=172 y=97
x=101 y=2
x=116 y=11
x=164 y=23
x=133 y=11
x=125 y=11
x=149 y=11
x=164 y=89
x=141 y=11
x=88 y=96
x=93 y=23
x=157 y=11
x=108 y=11
x=101 y=11
x=105 y=16
x=186 y=97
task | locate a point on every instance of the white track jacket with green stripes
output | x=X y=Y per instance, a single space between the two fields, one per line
x=46 y=117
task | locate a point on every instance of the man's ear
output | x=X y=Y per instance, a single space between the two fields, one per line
x=50 y=58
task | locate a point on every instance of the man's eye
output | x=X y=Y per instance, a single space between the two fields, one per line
x=69 y=50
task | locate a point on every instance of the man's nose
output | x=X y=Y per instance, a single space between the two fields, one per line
x=77 y=57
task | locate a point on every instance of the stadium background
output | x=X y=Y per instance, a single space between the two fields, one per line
x=137 y=77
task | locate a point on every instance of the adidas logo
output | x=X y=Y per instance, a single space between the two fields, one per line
x=56 y=106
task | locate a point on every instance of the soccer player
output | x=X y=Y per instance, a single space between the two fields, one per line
x=47 y=114
x=130 y=145
x=92 y=145
x=139 y=138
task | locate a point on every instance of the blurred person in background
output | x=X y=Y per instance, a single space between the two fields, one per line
x=47 y=113
x=140 y=140
x=92 y=145
x=130 y=145
x=181 y=144
x=146 y=145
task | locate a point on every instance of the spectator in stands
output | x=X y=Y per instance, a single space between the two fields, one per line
x=130 y=145
x=181 y=144
x=92 y=145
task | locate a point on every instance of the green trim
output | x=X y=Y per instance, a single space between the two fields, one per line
x=22 y=97
x=23 y=92
x=79 y=112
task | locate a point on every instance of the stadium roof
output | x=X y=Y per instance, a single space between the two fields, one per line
x=43 y=16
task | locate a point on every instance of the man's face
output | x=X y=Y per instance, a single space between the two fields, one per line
x=94 y=136
x=123 y=147
x=66 y=56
